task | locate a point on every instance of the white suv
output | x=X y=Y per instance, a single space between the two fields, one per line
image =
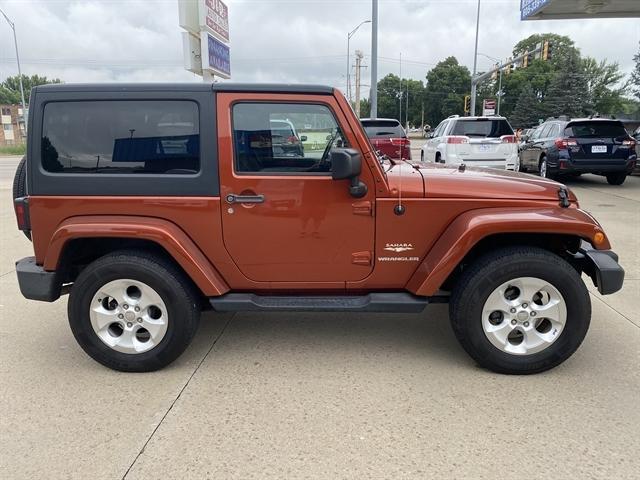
x=474 y=141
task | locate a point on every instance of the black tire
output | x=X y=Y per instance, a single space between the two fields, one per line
x=20 y=179
x=438 y=158
x=165 y=278
x=616 y=178
x=422 y=155
x=20 y=184
x=492 y=270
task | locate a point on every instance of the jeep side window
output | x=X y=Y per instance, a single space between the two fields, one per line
x=121 y=137
x=276 y=138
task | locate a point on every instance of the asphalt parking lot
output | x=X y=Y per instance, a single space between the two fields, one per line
x=322 y=396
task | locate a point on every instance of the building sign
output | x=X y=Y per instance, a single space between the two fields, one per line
x=531 y=7
x=214 y=15
x=215 y=56
x=205 y=43
x=488 y=107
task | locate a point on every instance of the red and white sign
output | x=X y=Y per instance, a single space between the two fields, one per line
x=214 y=16
x=488 y=107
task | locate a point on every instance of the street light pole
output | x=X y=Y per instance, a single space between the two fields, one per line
x=475 y=65
x=349 y=35
x=15 y=41
x=373 y=97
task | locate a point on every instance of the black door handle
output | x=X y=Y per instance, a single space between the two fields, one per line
x=233 y=198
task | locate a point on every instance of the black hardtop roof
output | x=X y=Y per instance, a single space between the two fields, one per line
x=186 y=87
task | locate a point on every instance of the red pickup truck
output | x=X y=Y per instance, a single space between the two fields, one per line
x=149 y=203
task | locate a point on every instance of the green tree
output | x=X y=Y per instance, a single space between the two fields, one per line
x=635 y=75
x=566 y=94
x=389 y=97
x=604 y=90
x=447 y=84
x=562 y=47
x=528 y=109
x=10 y=87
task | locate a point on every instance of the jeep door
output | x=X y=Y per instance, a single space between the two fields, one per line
x=284 y=218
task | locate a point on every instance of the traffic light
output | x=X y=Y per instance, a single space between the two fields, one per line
x=527 y=59
x=546 y=51
x=509 y=66
x=494 y=75
x=467 y=103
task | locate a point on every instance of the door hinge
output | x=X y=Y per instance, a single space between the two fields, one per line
x=362 y=208
x=361 y=258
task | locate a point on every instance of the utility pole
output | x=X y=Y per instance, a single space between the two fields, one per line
x=359 y=56
x=15 y=42
x=373 y=97
x=475 y=65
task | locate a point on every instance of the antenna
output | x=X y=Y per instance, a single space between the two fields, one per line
x=399 y=208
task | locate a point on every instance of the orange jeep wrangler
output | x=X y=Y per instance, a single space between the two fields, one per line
x=150 y=203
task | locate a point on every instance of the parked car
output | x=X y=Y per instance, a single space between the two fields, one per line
x=561 y=146
x=475 y=141
x=148 y=203
x=388 y=136
x=284 y=137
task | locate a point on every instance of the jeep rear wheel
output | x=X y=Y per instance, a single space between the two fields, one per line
x=520 y=310
x=133 y=311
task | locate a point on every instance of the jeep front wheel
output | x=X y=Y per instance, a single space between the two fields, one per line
x=520 y=310
x=133 y=311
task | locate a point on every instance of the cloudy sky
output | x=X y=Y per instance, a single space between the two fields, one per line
x=281 y=40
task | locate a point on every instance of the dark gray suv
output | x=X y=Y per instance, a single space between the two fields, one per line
x=570 y=147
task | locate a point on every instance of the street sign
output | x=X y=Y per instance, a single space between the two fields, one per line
x=488 y=107
x=529 y=8
x=216 y=56
x=214 y=16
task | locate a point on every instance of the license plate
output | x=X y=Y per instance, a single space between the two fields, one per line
x=599 y=149
x=485 y=148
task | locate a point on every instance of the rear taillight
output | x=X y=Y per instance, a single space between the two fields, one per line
x=21 y=207
x=564 y=143
x=292 y=139
x=399 y=142
x=457 y=139
x=508 y=139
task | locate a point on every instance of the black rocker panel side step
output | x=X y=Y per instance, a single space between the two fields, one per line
x=400 y=302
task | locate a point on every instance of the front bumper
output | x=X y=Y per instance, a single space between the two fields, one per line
x=35 y=283
x=603 y=268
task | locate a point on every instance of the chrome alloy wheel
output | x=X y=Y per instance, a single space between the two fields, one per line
x=543 y=168
x=129 y=316
x=524 y=316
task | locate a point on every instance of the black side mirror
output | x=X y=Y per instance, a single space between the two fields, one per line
x=303 y=138
x=346 y=163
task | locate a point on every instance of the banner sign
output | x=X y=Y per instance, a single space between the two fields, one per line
x=215 y=56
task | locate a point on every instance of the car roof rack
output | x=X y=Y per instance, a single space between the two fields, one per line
x=453 y=116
